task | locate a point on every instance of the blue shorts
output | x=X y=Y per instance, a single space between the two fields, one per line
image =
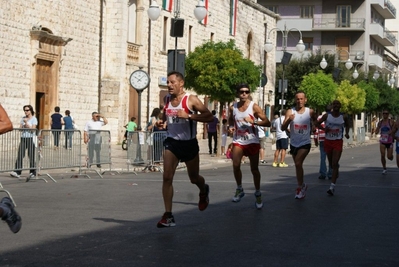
x=184 y=150
x=282 y=143
x=397 y=147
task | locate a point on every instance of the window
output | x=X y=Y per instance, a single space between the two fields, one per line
x=273 y=8
x=164 y=33
x=307 y=12
x=343 y=16
x=308 y=42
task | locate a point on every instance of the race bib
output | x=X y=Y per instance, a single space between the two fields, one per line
x=301 y=128
x=384 y=137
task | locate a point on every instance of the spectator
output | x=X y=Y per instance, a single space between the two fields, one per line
x=68 y=122
x=281 y=141
x=212 y=128
x=262 y=143
x=224 y=136
x=56 y=125
x=93 y=137
x=319 y=137
x=28 y=139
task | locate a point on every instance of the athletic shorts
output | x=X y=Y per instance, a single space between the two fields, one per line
x=294 y=150
x=184 y=150
x=397 y=147
x=282 y=143
x=330 y=145
x=249 y=150
x=388 y=145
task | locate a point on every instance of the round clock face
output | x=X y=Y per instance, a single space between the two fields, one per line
x=139 y=80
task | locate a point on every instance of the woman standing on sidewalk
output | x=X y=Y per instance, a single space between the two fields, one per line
x=335 y=122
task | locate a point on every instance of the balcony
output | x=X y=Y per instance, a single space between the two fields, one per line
x=385 y=8
x=297 y=23
x=133 y=53
x=376 y=60
x=332 y=24
x=382 y=35
x=294 y=52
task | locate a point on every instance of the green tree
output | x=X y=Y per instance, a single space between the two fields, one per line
x=389 y=97
x=372 y=96
x=352 y=97
x=320 y=89
x=214 y=69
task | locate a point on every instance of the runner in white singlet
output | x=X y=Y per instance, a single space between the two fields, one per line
x=299 y=120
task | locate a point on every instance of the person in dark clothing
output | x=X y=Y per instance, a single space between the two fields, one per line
x=212 y=128
x=56 y=125
x=68 y=127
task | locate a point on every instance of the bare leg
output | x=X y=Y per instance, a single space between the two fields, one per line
x=298 y=160
x=254 y=163
x=382 y=152
x=237 y=155
x=170 y=165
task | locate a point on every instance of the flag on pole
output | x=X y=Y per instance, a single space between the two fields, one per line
x=233 y=16
x=167 y=5
x=205 y=20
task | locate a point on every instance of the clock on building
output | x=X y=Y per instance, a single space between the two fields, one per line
x=139 y=80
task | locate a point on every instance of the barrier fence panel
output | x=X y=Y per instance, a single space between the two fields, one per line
x=348 y=142
x=361 y=135
x=18 y=151
x=138 y=152
x=60 y=149
x=157 y=150
x=99 y=149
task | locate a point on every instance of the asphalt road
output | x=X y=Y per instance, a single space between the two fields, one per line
x=112 y=221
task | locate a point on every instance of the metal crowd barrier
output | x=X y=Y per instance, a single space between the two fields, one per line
x=18 y=151
x=8 y=193
x=137 y=148
x=99 y=150
x=361 y=135
x=348 y=142
x=60 y=149
x=156 y=150
x=145 y=148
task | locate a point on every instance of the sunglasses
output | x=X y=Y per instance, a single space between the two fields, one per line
x=385 y=113
x=244 y=92
x=26 y=109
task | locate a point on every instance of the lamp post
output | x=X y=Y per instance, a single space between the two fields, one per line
x=199 y=12
x=286 y=56
x=348 y=63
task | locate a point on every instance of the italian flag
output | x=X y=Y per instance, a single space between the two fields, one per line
x=167 y=5
x=233 y=16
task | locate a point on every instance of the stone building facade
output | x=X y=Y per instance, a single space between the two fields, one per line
x=80 y=56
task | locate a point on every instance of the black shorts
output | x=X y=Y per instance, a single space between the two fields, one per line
x=184 y=150
x=294 y=150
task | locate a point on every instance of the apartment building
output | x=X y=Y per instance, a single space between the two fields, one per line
x=78 y=55
x=351 y=29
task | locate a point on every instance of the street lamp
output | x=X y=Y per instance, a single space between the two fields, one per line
x=300 y=47
x=348 y=63
x=154 y=12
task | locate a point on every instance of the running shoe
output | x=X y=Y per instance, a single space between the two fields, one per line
x=275 y=164
x=322 y=177
x=239 y=194
x=258 y=202
x=384 y=171
x=301 y=192
x=15 y=175
x=331 y=191
x=262 y=161
x=204 y=199
x=30 y=176
x=166 y=221
x=283 y=164
x=12 y=218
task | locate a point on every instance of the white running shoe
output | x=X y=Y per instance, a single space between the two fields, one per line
x=239 y=194
x=384 y=171
x=15 y=175
x=258 y=202
x=301 y=192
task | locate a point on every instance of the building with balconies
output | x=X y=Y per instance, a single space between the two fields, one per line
x=351 y=29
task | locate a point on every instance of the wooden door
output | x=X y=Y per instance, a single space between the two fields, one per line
x=44 y=92
x=342 y=44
